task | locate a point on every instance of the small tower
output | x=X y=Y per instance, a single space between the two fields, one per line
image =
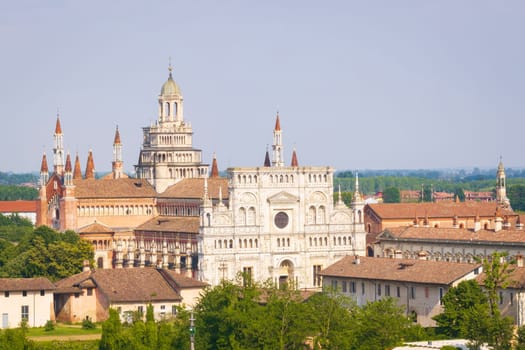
x=117 y=163
x=44 y=171
x=90 y=167
x=58 y=149
x=170 y=101
x=294 y=162
x=358 y=203
x=68 y=174
x=501 y=191
x=278 y=160
x=267 y=162
x=214 y=167
x=77 y=173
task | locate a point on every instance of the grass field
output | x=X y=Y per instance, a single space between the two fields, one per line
x=63 y=330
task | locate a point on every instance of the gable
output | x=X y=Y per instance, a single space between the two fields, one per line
x=283 y=197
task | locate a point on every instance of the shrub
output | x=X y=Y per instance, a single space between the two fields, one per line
x=88 y=324
x=50 y=326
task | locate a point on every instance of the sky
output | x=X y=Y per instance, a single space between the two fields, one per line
x=357 y=84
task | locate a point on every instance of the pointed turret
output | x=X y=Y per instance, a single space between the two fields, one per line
x=58 y=149
x=77 y=173
x=277 y=144
x=501 y=191
x=267 y=162
x=68 y=174
x=357 y=194
x=44 y=171
x=214 y=167
x=117 y=163
x=90 y=167
x=294 y=163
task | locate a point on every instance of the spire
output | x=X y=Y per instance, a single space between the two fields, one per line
x=277 y=144
x=68 y=175
x=214 y=167
x=295 y=163
x=116 y=165
x=69 y=168
x=277 y=123
x=44 y=171
x=339 y=197
x=77 y=173
x=58 y=149
x=58 y=127
x=43 y=166
x=116 y=141
x=90 y=166
x=267 y=159
x=357 y=194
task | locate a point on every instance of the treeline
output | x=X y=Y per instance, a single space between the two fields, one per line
x=13 y=193
x=237 y=315
x=17 y=179
x=41 y=252
x=374 y=184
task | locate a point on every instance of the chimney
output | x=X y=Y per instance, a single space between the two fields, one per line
x=85 y=266
x=519 y=260
x=357 y=260
x=498 y=224
x=477 y=224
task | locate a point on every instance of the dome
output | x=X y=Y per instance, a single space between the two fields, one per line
x=170 y=87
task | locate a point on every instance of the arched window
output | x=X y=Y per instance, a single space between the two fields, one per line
x=311 y=215
x=242 y=216
x=250 y=219
x=321 y=215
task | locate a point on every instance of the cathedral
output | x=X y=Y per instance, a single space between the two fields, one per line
x=280 y=223
x=272 y=222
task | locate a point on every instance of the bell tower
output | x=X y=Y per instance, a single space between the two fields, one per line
x=501 y=183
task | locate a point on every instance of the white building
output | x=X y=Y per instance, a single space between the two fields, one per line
x=167 y=155
x=29 y=299
x=280 y=223
x=417 y=285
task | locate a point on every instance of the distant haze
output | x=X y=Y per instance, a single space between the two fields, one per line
x=358 y=84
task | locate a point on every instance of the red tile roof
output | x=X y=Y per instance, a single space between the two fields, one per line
x=400 y=270
x=182 y=224
x=451 y=234
x=436 y=210
x=126 y=285
x=18 y=206
x=194 y=188
x=29 y=284
x=114 y=188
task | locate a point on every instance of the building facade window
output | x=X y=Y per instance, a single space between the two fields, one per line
x=441 y=296
x=24 y=293
x=25 y=312
x=363 y=288
x=6 y=294
x=352 y=287
x=344 y=287
x=387 y=290
x=398 y=292
x=379 y=289
x=412 y=292
x=90 y=291
x=247 y=275
x=42 y=293
x=317 y=276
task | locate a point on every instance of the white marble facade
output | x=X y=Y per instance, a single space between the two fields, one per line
x=280 y=224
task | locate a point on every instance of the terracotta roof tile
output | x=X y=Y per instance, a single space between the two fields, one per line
x=77 y=173
x=459 y=234
x=19 y=284
x=113 y=188
x=58 y=127
x=214 y=168
x=18 y=206
x=127 y=285
x=187 y=224
x=194 y=188
x=401 y=270
x=182 y=282
x=95 y=228
x=436 y=210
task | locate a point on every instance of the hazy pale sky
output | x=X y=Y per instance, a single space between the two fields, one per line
x=358 y=84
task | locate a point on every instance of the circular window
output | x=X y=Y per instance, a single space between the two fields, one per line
x=281 y=219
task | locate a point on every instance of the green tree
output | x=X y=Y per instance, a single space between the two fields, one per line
x=113 y=336
x=456 y=304
x=516 y=194
x=520 y=338
x=379 y=325
x=391 y=195
x=459 y=193
x=330 y=313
